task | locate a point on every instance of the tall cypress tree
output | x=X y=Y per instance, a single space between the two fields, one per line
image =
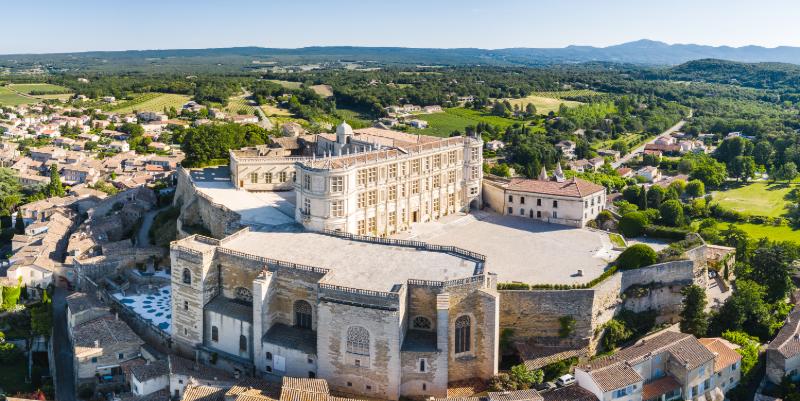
x=19 y=224
x=643 y=198
x=55 y=188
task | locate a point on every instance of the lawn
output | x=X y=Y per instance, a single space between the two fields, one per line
x=457 y=118
x=758 y=231
x=149 y=102
x=11 y=98
x=287 y=84
x=758 y=198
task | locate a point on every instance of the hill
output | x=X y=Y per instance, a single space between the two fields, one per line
x=642 y=52
x=757 y=75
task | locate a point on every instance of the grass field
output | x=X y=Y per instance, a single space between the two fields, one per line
x=546 y=102
x=287 y=84
x=11 y=98
x=758 y=198
x=457 y=118
x=271 y=110
x=354 y=118
x=323 y=90
x=774 y=233
x=41 y=88
x=149 y=102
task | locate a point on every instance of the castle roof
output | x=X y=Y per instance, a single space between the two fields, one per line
x=574 y=188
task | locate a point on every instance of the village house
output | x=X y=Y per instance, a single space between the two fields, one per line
x=244 y=119
x=82 y=308
x=649 y=173
x=149 y=378
x=666 y=366
x=119 y=146
x=418 y=123
x=432 y=109
x=783 y=352
x=495 y=145
x=567 y=149
x=101 y=347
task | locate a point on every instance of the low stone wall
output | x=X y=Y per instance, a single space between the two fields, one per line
x=197 y=209
x=534 y=315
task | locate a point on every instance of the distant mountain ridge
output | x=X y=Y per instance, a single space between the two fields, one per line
x=641 y=52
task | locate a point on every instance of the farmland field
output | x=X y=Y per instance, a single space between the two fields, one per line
x=11 y=98
x=758 y=198
x=149 y=102
x=271 y=110
x=287 y=84
x=239 y=103
x=49 y=89
x=546 y=102
x=457 y=118
x=354 y=118
x=323 y=90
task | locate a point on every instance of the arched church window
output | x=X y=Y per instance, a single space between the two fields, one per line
x=463 y=334
x=302 y=314
x=358 y=340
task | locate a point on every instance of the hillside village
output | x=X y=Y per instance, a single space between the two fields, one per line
x=280 y=240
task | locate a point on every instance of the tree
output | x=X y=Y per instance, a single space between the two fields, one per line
x=745 y=310
x=695 y=188
x=633 y=224
x=679 y=186
x=42 y=319
x=615 y=333
x=19 y=224
x=636 y=256
x=787 y=172
x=530 y=109
x=762 y=153
x=55 y=188
x=526 y=377
x=655 y=195
x=643 y=198
x=631 y=194
x=694 y=319
x=672 y=213
x=743 y=168
x=770 y=265
x=708 y=170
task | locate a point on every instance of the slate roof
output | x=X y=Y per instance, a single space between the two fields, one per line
x=419 y=341
x=231 y=308
x=573 y=188
x=303 y=340
x=81 y=301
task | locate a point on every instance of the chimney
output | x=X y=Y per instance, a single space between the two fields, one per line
x=97 y=343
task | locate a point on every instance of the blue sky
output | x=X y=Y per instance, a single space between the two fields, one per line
x=67 y=26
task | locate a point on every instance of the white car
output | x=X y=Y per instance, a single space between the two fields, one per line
x=565 y=380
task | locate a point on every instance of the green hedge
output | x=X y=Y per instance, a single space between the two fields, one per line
x=666 y=232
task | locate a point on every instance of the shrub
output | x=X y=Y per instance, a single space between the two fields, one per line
x=632 y=224
x=615 y=333
x=671 y=213
x=636 y=256
x=567 y=326
x=603 y=217
x=723 y=213
x=656 y=231
x=513 y=286
x=695 y=188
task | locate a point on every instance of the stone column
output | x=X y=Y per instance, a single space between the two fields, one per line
x=442 y=343
x=261 y=321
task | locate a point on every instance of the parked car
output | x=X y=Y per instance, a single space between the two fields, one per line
x=545 y=386
x=565 y=380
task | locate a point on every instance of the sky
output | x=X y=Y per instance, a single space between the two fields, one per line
x=54 y=26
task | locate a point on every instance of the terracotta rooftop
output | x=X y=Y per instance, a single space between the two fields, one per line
x=151 y=370
x=104 y=332
x=659 y=386
x=573 y=188
x=300 y=389
x=195 y=392
x=724 y=350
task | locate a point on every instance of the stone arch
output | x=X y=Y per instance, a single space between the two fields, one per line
x=421 y=323
x=463 y=334
x=302 y=314
x=187 y=276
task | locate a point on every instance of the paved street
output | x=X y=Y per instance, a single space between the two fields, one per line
x=64 y=374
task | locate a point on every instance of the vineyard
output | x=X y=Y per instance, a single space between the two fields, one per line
x=238 y=103
x=149 y=102
x=11 y=98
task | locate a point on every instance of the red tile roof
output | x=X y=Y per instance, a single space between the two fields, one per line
x=573 y=188
x=724 y=351
x=658 y=387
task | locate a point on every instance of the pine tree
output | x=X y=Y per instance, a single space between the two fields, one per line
x=694 y=319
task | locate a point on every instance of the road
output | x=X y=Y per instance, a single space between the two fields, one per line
x=264 y=121
x=64 y=373
x=635 y=152
x=143 y=236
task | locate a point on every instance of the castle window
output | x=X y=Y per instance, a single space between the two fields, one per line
x=307 y=206
x=422 y=363
x=337 y=208
x=474 y=173
x=463 y=328
x=269 y=356
x=337 y=184
x=358 y=340
x=372 y=175
x=421 y=322
x=242 y=343
x=268 y=178
x=361 y=177
x=538 y=202
x=475 y=154
x=187 y=276
x=214 y=334
x=253 y=178
x=302 y=314
x=243 y=294
x=392 y=171
x=282 y=176
x=306 y=181
x=185 y=305
x=555 y=203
